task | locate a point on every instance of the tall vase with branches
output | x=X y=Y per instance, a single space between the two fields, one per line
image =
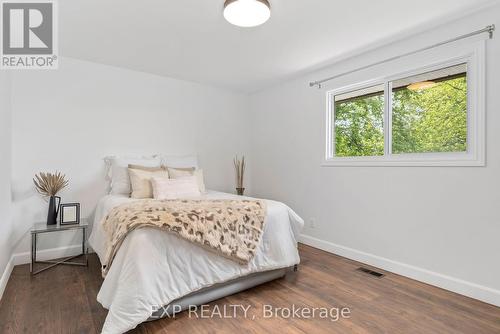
x=49 y=185
x=239 y=167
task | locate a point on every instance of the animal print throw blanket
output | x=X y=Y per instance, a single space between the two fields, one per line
x=231 y=228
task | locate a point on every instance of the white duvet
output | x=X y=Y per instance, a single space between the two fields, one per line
x=153 y=268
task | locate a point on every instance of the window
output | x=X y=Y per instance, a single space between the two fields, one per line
x=429 y=112
x=427 y=117
x=359 y=122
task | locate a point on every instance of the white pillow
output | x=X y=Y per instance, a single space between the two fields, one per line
x=120 y=180
x=140 y=180
x=177 y=173
x=179 y=161
x=165 y=188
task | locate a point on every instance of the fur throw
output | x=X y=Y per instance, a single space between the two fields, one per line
x=231 y=228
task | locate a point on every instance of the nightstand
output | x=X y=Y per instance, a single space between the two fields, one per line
x=41 y=228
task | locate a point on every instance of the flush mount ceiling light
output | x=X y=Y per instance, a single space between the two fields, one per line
x=247 y=13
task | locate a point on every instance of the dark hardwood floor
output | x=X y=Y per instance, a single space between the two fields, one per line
x=63 y=300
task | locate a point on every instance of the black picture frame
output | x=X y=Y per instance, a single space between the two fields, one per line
x=69 y=220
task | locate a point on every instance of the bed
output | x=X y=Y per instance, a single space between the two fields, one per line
x=154 y=270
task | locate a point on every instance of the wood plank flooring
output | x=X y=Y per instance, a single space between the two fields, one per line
x=63 y=300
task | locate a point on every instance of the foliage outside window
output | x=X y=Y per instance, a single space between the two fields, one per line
x=359 y=123
x=430 y=115
x=420 y=114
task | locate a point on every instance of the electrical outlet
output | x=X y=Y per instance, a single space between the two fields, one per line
x=312 y=223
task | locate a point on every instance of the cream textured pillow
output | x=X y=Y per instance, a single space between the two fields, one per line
x=177 y=173
x=149 y=169
x=165 y=188
x=140 y=181
x=118 y=173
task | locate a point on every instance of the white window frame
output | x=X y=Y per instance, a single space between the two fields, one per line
x=475 y=154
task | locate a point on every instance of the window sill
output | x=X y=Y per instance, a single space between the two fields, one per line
x=461 y=160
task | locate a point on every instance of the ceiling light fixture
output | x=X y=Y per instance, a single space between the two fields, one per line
x=247 y=13
x=421 y=85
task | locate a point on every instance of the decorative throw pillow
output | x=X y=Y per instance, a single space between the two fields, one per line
x=149 y=169
x=177 y=173
x=120 y=180
x=165 y=188
x=141 y=181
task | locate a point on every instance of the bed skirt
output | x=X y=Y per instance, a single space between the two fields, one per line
x=218 y=291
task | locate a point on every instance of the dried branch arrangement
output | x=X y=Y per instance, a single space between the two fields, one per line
x=239 y=167
x=48 y=184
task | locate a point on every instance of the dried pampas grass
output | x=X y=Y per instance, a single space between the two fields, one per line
x=239 y=167
x=48 y=184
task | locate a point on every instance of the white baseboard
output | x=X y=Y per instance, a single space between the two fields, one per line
x=25 y=257
x=457 y=285
x=47 y=254
x=6 y=275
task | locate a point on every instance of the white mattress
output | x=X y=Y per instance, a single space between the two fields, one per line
x=153 y=268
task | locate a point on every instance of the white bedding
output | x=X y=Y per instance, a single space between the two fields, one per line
x=153 y=268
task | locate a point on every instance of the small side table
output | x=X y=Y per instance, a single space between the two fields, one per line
x=40 y=228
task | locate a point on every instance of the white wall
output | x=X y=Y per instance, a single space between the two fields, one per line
x=437 y=224
x=69 y=119
x=5 y=169
x=440 y=222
